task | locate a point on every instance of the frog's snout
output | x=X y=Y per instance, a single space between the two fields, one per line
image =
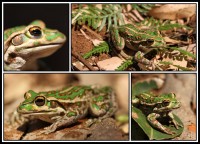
x=177 y=105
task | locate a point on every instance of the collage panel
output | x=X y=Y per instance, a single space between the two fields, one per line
x=36 y=36
x=133 y=37
x=164 y=107
x=75 y=107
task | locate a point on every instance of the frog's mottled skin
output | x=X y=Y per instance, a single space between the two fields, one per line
x=139 y=41
x=23 y=45
x=158 y=107
x=66 y=106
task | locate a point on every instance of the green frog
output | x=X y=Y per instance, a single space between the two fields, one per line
x=68 y=105
x=138 y=41
x=23 y=45
x=158 y=107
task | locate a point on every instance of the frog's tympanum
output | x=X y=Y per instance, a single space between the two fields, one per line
x=23 y=45
x=64 y=107
x=158 y=107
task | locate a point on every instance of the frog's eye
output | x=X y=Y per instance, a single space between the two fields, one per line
x=150 y=41
x=166 y=103
x=35 y=31
x=27 y=95
x=18 y=40
x=173 y=95
x=40 y=101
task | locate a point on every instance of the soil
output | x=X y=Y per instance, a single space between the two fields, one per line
x=81 y=45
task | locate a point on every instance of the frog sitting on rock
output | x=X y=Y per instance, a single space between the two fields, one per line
x=66 y=106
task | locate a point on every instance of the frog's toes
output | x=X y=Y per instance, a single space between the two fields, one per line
x=47 y=130
x=172 y=132
x=89 y=122
x=176 y=124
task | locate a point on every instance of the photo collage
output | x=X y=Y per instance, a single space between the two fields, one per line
x=99 y=72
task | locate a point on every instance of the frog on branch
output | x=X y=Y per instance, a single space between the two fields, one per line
x=23 y=45
x=66 y=106
x=138 y=41
x=158 y=108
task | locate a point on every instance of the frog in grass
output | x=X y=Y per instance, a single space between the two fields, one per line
x=139 y=41
x=23 y=45
x=158 y=107
x=68 y=105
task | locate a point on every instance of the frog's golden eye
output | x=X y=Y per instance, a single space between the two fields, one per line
x=18 y=40
x=35 y=31
x=40 y=101
x=27 y=95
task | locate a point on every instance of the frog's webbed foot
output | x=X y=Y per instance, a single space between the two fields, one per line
x=176 y=124
x=152 y=119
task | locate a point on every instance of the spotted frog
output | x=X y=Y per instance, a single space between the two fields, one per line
x=158 y=107
x=138 y=41
x=66 y=106
x=23 y=45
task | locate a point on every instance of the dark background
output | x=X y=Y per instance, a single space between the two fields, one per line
x=55 y=16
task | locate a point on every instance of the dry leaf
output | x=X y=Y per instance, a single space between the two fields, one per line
x=192 y=127
x=173 y=11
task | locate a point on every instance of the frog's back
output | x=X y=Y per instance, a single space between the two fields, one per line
x=68 y=93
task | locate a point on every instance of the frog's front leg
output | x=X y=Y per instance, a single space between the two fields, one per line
x=17 y=118
x=176 y=124
x=152 y=119
x=14 y=64
x=139 y=57
x=117 y=41
x=60 y=121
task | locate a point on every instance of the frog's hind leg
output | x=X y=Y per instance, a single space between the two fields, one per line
x=101 y=107
x=152 y=119
x=103 y=103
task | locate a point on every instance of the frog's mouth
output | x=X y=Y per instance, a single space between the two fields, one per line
x=40 y=47
x=39 y=51
x=37 y=113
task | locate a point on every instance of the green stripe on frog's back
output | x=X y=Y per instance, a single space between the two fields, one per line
x=132 y=32
x=69 y=93
x=10 y=31
x=52 y=36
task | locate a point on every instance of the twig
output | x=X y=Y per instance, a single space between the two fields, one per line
x=77 y=56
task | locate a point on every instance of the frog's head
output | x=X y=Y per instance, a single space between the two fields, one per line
x=170 y=101
x=39 y=104
x=32 y=41
x=154 y=39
